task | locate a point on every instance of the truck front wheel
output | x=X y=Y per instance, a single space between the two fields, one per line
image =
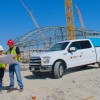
x=58 y=70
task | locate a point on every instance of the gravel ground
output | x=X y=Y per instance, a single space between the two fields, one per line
x=76 y=84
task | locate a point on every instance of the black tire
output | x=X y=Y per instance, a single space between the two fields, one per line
x=58 y=70
x=99 y=64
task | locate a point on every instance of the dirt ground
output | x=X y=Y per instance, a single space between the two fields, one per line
x=76 y=84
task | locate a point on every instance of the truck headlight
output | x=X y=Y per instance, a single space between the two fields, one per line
x=46 y=59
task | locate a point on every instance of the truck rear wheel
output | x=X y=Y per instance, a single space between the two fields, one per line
x=58 y=70
x=99 y=64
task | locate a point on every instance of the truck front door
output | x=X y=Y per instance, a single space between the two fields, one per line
x=74 y=58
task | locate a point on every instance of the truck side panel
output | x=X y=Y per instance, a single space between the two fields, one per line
x=98 y=53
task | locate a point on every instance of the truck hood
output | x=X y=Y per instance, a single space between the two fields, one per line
x=42 y=54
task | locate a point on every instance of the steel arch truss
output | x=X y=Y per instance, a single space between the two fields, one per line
x=52 y=34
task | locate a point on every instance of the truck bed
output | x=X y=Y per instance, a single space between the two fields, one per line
x=95 y=41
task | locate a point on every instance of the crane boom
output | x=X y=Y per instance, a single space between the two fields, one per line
x=37 y=26
x=30 y=13
x=81 y=21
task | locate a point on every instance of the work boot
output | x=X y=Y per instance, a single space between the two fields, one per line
x=21 y=90
x=10 y=90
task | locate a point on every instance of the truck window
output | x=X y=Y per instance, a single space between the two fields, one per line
x=59 y=46
x=76 y=45
x=85 y=44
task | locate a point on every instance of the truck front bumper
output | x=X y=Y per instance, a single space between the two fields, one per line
x=40 y=68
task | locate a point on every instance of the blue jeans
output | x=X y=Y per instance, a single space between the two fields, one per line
x=1 y=77
x=15 y=68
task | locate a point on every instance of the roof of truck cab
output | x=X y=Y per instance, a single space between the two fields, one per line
x=73 y=40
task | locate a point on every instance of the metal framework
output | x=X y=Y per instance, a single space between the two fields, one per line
x=32 y=41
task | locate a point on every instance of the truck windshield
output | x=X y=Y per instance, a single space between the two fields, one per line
x=59 y=46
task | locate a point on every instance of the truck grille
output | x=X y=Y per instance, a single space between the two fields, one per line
x=35 y=61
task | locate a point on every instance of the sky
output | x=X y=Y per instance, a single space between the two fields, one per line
x=15 y=20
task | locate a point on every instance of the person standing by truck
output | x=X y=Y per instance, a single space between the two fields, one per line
x=2 y=69
x=14 y=67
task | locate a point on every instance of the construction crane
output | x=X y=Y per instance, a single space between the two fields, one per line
x=47 y=45
x=81 y=21
x=70 y=20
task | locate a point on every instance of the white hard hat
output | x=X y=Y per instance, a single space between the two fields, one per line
x=1 y=48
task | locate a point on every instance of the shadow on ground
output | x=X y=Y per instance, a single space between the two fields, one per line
x=42 y=76
x=68 y=71
x=7 y=88
x=79 y=69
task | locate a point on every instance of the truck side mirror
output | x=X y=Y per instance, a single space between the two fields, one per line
x=72 y=49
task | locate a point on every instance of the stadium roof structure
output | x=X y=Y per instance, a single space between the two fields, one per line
x=52 y=34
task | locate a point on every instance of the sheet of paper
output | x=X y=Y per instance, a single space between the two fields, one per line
x=7 y=59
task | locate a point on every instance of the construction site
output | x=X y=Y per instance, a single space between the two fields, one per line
x=43 y=38
x=49 y=72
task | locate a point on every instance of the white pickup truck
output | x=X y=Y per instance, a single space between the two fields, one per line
x=64 y=55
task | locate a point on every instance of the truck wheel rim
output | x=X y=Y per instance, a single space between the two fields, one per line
x=60 y=70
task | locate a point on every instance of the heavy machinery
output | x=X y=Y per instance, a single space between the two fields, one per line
x=81 y=21
x=70 y=20
x=46 y=42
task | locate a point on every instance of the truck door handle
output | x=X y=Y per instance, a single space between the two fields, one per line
x=64 y=53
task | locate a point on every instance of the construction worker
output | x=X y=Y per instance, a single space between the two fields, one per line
x=2 y=69
x=14 y=67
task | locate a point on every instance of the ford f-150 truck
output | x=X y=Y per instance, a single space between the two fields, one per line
x=64 y=55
